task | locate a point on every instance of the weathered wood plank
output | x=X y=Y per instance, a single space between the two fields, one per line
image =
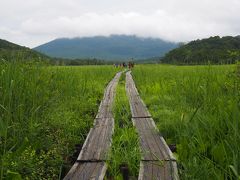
x=91 y=160
x=138 y=109
x=152 y=143
x=105 y=112
x=87 y=170
x=98 y=141
x=105 y=108
x=158 y=161
x=161 y=170
x=137 y=106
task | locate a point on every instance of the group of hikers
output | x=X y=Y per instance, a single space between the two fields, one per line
x=130 y=65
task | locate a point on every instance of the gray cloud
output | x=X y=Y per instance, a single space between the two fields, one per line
x=31 y=23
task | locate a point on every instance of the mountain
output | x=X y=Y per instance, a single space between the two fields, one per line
x=216 y=50
x=114 y=47
x=10 y=51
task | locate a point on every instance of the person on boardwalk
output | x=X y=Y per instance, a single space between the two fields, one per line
x=124 y=65
x=130 y=65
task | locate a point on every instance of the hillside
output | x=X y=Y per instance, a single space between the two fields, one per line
x=10 y=51
x=114 y=47
x=216 y=50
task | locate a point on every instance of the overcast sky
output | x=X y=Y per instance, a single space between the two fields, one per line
x=33 y=22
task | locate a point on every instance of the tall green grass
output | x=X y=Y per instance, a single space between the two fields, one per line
x=198 y=109
x=44 y=112
x=125 y=152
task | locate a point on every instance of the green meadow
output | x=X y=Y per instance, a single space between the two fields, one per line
x=125 y=151
x=47 y=111
x=44 y=112
x=196 y=108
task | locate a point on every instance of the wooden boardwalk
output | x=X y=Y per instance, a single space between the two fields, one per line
x=91 y=160
x=157 y=160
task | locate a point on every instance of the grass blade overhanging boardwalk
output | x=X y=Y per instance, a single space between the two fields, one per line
x=157 y=161
x=124 y=157
x=91 y=161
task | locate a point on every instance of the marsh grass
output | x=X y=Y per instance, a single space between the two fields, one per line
x=198 y=109
x=44 y=112
x=125 y=144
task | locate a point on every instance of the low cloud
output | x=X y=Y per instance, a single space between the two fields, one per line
x=168 y=22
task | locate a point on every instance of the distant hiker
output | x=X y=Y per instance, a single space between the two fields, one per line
x=130 y=65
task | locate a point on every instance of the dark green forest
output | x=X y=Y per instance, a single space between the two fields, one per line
x=214 y=50
x=12 y=52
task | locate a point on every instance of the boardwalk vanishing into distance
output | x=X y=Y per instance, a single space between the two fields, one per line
x=91 y=160
x=157 y=160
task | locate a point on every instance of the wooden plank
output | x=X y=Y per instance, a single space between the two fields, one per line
x=161 y=170
x=155 y=150
x=152 y=143
x=137 y=106
x=105 y=108
x=105 y=111
x=87 y=170
x=98 y=142
x=90 y=163
x=138 y=109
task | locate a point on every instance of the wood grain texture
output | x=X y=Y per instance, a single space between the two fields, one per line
x=150 y=170
x=87 y=170
x=98 y=142
x=158 y=161
x=91 y=160
x=152 y=143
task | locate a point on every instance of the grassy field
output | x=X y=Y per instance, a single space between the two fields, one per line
x=44 y=112
x=196 y=108
x=125 y=151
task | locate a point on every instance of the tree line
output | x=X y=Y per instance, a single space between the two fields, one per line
x=214 y=50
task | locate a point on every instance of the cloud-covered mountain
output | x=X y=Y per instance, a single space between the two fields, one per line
x=114 y=47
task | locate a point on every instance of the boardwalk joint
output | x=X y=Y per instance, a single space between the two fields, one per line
x=151 y=140
x=155 y=160
x=141 y=117
x=89 y=161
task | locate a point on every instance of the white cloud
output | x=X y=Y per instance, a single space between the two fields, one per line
x=35 y=22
